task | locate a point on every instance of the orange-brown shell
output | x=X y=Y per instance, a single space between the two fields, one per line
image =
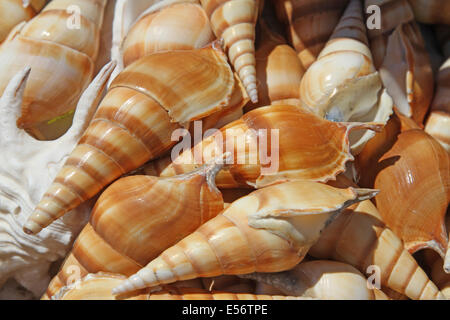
x=135 y=121
x=138 y=217
x=413 y=175
x=300 y=146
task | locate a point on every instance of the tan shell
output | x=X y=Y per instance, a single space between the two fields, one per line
x=138 y=217
x=352 y=92
x=414 y=178
x=320 y=279
x=12 y=12
x=181 y=26
x=309 y=148
x=61 y=60
x=234 y=21
x=270 y=230
x=310 y=24
x=278 y=70
x=135 y=121
x=360 y=238
x=435 y=263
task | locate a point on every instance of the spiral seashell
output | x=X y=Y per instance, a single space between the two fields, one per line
x=438 y=122
x=234 y=21
x=415 y=190
x=302 y=146
x=360 y=238
x=12 y=12
x=27 y=170
x=434 y=262
x=138 y=217
x=278 y=70
x=61 y=50
x=431 y=11
x=269 y=230
x=354 y=91
x=319 y=279
x=134 y=123
x=310 y=23
x=182 y=26
x=98 y=287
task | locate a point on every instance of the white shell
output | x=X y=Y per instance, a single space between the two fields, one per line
x=28 y=168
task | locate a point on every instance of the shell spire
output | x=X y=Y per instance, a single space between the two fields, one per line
x=270 y=230
x=354 y=91
x=359 y=237
x=234 y=21
x=135 y=122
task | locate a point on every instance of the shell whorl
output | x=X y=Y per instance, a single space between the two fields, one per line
x=234 y=21
x=13 y=12
x=134 y=123
x=269 y=230
x=360 y=238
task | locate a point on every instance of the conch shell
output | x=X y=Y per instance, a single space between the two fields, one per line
x=270 y=230
x=414 y=178
x=12 y=12
x=28 y=167
x=137 y=218
x=234 y=21
x=438 y=122
x=278 y=70
x=431 y=11
x=98 y=287
x=320 y=279
x=354 y=91
x=134 y=123
x=300 y=146
x=359 y=237
x=43 y=43
x=310 y=24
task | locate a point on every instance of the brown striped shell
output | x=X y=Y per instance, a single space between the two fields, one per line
x=310 y=24
x=61 y=60
x=138 y=217
x=270 y=230
x=182 y=26
x=134 y=123
x=359 y=237
x=300 y=146
x=431 y=11
x=234 y=21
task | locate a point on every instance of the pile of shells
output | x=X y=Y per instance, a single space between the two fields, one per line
x=227 y=149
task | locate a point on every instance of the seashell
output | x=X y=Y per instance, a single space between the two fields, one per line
x=278 y=70
x=431 y=11
x=354 y=91
x=310 y=24
x=415 y=190
x=234 y=21
x=296 y=150
x=134 y=123
x=98 y=287
x=137 y=218
x=406 y=72
x=269 y=230
x=320 y=279
x=393 y=13
x=28 y=167
x=12 y=12
x=181 y=26
x=61 y=59
x=360 y=238
x=399 y=53
x=438 y=122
